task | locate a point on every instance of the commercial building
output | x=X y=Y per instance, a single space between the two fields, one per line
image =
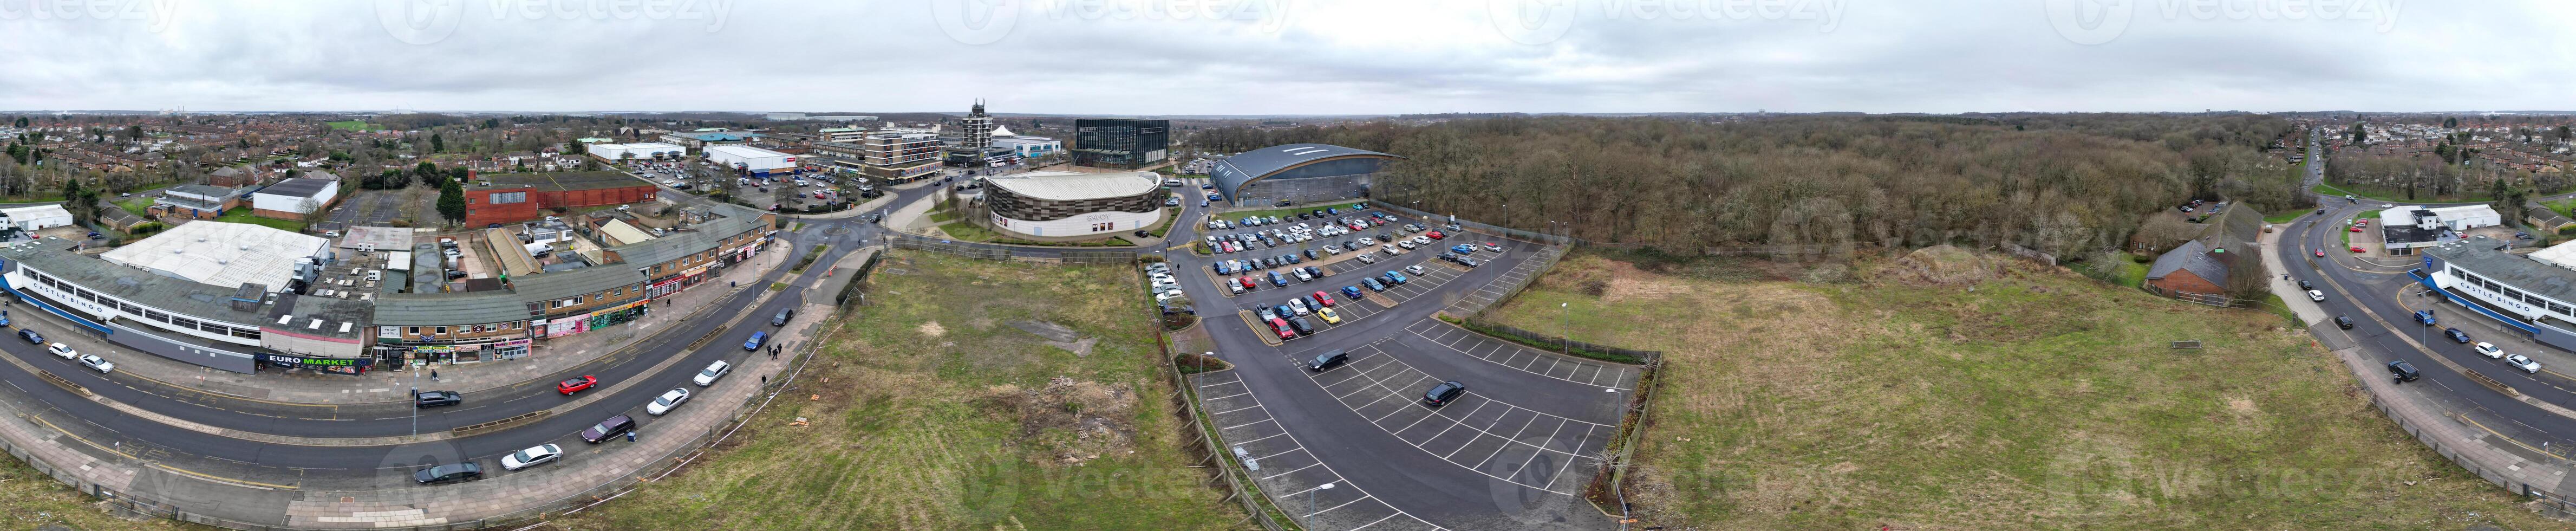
x=789 y=116
x=1068 y=204
x=1120 y=143
x=1027 y=147
x=1296 y=173
x=32 y=218
x=893 y=157
x=292 y=198
x=752 y=160
x=638 y=151
x=841 y=134
x=225 y=254
x=196 y=201
x=518 y=197
x=2535 y=293
x=973 y=147
x=2405 y=229
x=699 y=140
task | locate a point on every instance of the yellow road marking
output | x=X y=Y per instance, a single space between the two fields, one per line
x=2500 y=435
x=155 y=464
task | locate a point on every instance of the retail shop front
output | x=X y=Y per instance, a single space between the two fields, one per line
x=351 y=366
x=423 y=352
x=575 y=324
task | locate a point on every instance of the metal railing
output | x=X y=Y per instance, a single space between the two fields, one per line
x=1471 y=308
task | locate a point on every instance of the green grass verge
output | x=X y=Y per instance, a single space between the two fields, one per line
x=30 y=500
x=943 y=216
x=354 y=125
x=2037 y=397
x=930 y=416
x=810 y=255
x=243 y=215
x=2286 y=217
x=136 y=206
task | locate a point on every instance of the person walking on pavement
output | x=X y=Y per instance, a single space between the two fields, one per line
x=433 y=375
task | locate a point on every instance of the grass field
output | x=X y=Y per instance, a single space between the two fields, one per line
x=943 y=216
x=243 y=215
x=937 y=413
x=2286 y=217
x=355 y=125
x=136 y=205
x=1856 y=397
x=29 y=500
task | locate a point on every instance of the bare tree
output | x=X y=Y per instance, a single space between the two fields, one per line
x=312 y=213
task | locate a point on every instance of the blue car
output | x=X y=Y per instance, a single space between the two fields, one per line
x=757 y=337
x=1395 y=277
x=1373 y=284
x=1281 y=310
x=1278 y=280
x=1463 y=249
x=1353 y=291
x=2424 y=317
x=1333 y=211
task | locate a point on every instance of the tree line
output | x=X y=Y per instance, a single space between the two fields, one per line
x=2061 y=183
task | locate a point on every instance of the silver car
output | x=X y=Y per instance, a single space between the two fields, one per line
x=537 y=455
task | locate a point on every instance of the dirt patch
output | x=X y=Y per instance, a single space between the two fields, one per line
x=1050 y=331
x=932 y=329
x=1070 y=421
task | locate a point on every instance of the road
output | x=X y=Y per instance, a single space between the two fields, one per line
x=368 y=467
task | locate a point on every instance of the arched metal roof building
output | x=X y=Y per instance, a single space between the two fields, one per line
x=1290 y=162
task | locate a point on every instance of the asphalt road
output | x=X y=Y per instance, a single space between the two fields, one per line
x=388 y=466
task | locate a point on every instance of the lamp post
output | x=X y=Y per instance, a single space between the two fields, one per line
x=1564 y=332
x=1310 y=503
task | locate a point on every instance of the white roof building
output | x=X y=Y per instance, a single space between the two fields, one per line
x=1057 y=185
x=223 y=254
x=36 y=217
x=641 y=150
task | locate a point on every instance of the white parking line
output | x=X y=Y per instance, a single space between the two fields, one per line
x=1337 y=476
x=1315 y=464
x=1264 y=419
x=1226 y=396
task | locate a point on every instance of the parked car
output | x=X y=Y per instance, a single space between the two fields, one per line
x=714 y=371
x=782 y=317
x=2317 y=296
x=1354 y=292
x=2456 y=335
x=576 y=384
x=1368 y=259
x=2519 y=361
x=1323 y=298
x=614 y=426
x=1414 y=269
x=2305 y=285
x=1443 y=393
x=1329 y=315
x=1373 y=284
x=533 y=456
x=448 y=473
x=2424 y=317
x=1491 y=246
x=60 y=350
x=668 y=401
x=430 y=399
x=757 y=337
x=31 y=336
x=1302 y=325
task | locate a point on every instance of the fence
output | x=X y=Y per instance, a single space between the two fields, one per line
x=1235 y=477
x=858 y=277
x=996 y=251
x=1507 y=232
x=1560 y=344
x=2554 y=505
x=1612 y=476
x=1470 y=307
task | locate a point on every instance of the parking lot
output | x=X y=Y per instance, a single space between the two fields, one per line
x=1513 y=452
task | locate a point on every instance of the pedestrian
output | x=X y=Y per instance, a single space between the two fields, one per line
x=764 y=380
x=433 y=375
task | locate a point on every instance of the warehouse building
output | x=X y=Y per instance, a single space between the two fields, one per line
x=33 y=218
x=638 y=151
x=752 y=160
x=519 y=197
x=292 y=198
x=1058 y=204
x=1296 y=173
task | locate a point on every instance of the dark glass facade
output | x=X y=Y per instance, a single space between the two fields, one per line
x=1120 y=143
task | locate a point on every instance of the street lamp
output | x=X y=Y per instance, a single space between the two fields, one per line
x=1310 y=503
x=1563 y=331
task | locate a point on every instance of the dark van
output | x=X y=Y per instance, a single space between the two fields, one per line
x=607 y=429
x=2403 y=371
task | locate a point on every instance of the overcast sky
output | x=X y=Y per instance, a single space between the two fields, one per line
x=1290 y=56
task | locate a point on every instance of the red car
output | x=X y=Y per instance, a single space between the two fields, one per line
x=1281 y=326
x=1436 y=235
x=1249 y=284
x=818 y=195
x=576 y=384
x=1326 y=299
x=2321 y=253
x=2356 y=229
x=2357 y=249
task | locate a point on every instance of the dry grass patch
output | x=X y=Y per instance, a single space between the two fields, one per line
x=1950 y=390
x=936 y=415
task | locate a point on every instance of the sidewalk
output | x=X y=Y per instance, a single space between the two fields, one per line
x=2287 y=287
x=2479 y=326
x=389 y=383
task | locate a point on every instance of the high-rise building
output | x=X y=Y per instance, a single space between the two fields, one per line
x=1120 y=143
x=899 y=157
x=973 y=145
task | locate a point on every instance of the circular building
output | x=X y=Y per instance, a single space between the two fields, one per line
x=1064 y=204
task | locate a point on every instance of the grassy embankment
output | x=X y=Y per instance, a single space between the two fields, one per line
x=1820 y=398
x=934 y=412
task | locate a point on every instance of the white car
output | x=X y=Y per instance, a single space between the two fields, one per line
x=2387 y=205
x=1236 y=287
x=713 y=371
x=1390 y=250
x=63 y=351
x=669 y=400
x=1297 y=306
x=1408 y=244
x=1422 y=240
x=1168 y=295
x=1414 y=269
x=1302 y=276
x=2489 y=350
x=2519 y=361
x=101 y=364
x=2315 y=295
x=1368 y=241
x=533 y=456
x=1332 y=250
x=1368 y=259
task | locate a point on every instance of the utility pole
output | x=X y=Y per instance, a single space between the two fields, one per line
x=1310 y=503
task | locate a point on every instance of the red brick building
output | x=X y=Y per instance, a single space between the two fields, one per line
x=517 y=197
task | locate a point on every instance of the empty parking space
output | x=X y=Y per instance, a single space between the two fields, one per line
x=1475 y=431
x=1437 y=336
x=1285 y=469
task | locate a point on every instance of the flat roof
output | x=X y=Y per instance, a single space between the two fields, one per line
x=54 y=256
x=747 y=152
x=222 y=254
x=558 y=181
x=449 y=309
x=2479 y=255
x=737 y=219
x=298 y=187
x=621 y=233
x=1058 y=185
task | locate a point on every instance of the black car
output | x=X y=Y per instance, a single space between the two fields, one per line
x=607 y=429
x=2403 y=371
x=782 y=317
x=2343 y=322
x=1303 y=326
x=1302 y=215
x=2456 y=335
x=31 y=336
x=425 y=399
x=448 y=473
x=1327 y=361
x=1316 y=272
x=2305 y=285
x=1310 y=254
x=1443 y=393
x=1469 y=262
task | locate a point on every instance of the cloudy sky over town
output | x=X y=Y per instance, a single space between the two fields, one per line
x=1290 y=56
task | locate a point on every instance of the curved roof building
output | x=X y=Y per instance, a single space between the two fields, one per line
x=1296 y=172
x=1054 y=203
